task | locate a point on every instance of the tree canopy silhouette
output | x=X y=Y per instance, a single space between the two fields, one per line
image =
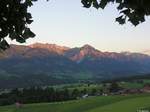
x=14 y=21
x=133 y=11
x=15 y=18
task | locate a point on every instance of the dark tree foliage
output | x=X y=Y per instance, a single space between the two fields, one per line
x=14 y=21
x=40 y=95
x=34 y=95
x=114 y=87
x=133 y=11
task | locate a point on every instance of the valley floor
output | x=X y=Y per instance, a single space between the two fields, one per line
x=129 y=103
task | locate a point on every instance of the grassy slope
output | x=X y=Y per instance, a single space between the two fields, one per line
x=94 y=104
x=131 y=105
x=131 y=85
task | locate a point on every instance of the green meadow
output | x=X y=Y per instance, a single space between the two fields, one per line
x=130 y=103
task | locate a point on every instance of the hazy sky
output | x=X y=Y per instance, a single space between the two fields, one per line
x=67 y=23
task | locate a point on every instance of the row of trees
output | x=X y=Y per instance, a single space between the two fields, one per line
x=38 y=94
x=34 y=95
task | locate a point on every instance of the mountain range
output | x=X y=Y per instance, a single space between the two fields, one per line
x=45 y=64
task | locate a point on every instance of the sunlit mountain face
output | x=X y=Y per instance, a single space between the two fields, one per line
x=43 y=64
x=147 y=52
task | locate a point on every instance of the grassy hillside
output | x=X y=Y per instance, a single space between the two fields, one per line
x=130 y=105
x=94 y=104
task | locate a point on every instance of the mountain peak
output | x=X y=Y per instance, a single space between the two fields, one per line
x=87 y=46
x=86 y=51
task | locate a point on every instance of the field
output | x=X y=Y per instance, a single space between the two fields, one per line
x=134 y=84
x=124 y=84
x=130 y=103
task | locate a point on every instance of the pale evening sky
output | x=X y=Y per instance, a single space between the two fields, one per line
x=67 y=23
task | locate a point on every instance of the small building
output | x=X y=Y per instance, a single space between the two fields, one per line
x=18 y=104
x=85 y=96
x=104 y=94
x=132 y=91
x=146 y=88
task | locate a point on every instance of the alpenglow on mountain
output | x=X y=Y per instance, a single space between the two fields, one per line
x=45 y=64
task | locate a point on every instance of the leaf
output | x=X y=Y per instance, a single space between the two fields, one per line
x=126 y=11
x=12 y=35
x=134 y=21
x=29 y=21
x=118 y=1
x=95 y=4
x=28 y=33
x=20 y=39
x=29 y=3
x=86 y=3
x=28 y=16
x=121 y=20
x=4 y=45
x=103 y=3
